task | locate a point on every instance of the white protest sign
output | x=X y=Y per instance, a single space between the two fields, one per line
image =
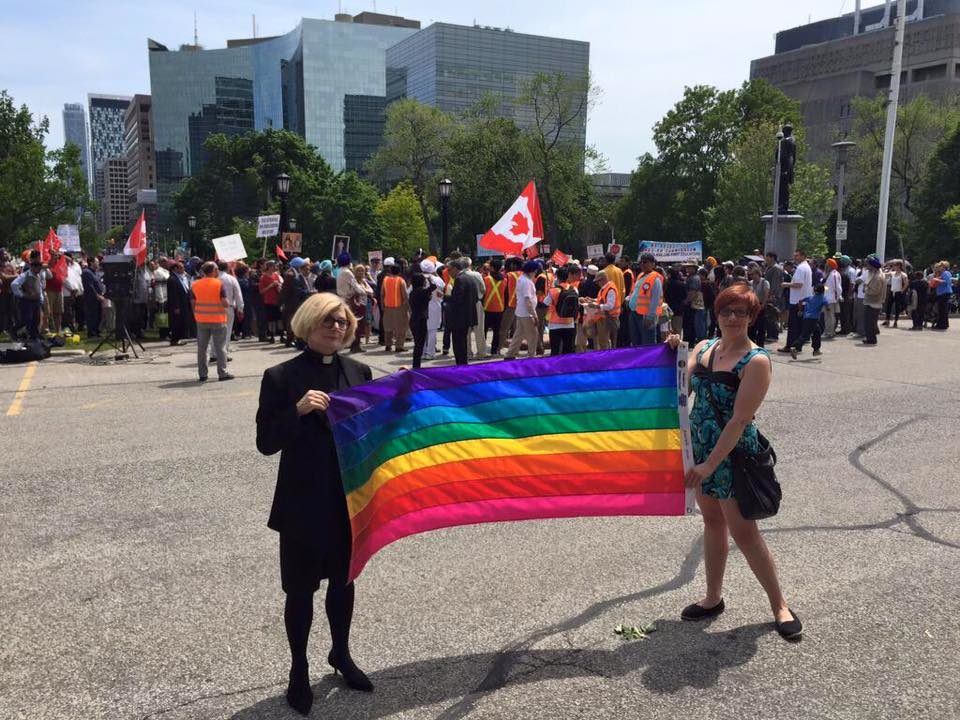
x=671 y=252
x=615 y=248
x=69 y=237
x=374 y=255
x=268 y=225
x=594 y=251
x=229 y=247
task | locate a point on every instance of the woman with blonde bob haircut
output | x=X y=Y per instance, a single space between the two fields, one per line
x=309 y=507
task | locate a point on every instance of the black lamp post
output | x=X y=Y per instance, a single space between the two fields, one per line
x=283 y=189
x=192 y=222
x=446 y=190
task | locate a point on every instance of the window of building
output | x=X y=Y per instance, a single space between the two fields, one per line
x=934 y=72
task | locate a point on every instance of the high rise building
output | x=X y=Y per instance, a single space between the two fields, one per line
x=824 y=65
x=75 y=132
x=141 y=161
x=106 y=143
x=453 y=66
x=114 y=208
x=299 y=81
x=330 y=82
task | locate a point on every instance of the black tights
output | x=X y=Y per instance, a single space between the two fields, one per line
x=298 y=617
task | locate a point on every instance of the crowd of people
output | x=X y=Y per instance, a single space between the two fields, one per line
x=497 y=307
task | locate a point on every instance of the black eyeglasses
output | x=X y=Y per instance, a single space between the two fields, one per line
x=330 y=322
x=737 y=312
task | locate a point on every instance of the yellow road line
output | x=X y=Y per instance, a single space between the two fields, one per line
x=17 y=402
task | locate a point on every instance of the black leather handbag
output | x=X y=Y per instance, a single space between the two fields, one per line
x=755 y=484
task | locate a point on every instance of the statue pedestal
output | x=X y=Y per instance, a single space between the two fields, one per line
x=785 y=242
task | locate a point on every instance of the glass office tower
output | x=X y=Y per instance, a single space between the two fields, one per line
x=454 y=66
x=325 y=80
x=75 y=131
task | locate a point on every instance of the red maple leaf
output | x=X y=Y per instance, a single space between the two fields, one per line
x=520 y=226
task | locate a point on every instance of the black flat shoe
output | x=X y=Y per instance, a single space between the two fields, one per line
x=698 y=612
x=353 y=676
x=299 y=694
x=792 y=629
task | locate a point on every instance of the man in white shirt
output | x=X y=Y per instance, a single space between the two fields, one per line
x=801 y=287
x=897 y=284
x=72 y=293
x=234 y=302
x=525 y=329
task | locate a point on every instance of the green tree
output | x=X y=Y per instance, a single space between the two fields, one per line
x=556 y=105
x=937 y=235
x=39 y=188
x=486 y=160
x=404 y=231
x=237 y=183
x=921 y=124
x=695 y=142
x=745 y=191
x=414 y=141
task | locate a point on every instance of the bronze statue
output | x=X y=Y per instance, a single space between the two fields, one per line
x=787 y=150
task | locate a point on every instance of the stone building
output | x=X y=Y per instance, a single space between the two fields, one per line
x=824 y=65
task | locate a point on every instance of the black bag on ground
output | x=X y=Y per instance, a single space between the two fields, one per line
x=24 y=352
x=568 y=302
x=755 y=484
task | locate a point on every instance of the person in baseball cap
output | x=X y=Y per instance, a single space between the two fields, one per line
x=297 y=263
x=389 y=262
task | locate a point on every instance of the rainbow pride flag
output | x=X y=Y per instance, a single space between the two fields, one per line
x=600 y=433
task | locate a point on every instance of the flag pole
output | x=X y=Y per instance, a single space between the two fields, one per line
x=892 y=105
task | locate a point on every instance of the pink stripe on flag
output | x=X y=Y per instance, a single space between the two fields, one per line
x=509 y=509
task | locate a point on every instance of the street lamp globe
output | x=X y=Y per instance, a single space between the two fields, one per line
x=446 y=188
x=283 y=183
x=293 y=223
x=192 y=222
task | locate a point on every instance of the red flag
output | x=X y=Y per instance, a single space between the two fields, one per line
x=520 y=228
x=559 y=258
x=137 y=242
x=280 y=253
x=51 y=244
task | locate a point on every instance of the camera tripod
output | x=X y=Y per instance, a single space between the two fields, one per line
x=119 y=337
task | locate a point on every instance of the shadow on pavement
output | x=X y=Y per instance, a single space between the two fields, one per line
x=676 y=656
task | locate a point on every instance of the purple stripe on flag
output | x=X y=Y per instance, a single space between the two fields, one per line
x=348 y=403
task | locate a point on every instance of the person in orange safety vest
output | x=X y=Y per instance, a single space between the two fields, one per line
x=208 y=298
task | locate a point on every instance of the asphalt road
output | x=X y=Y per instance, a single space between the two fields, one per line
x=139 y=579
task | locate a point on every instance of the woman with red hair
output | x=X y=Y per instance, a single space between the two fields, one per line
x=729 y=377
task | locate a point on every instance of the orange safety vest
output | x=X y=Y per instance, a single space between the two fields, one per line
x=512 y=278
x=494 y=299
x=546 y=288
x=208 y=306
x=552 y=316
x=644 y=295
x=602 y=298
x=392 y=291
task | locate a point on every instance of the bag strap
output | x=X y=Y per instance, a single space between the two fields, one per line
x=711 y=398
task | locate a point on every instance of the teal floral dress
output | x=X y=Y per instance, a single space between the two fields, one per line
x=705 y=426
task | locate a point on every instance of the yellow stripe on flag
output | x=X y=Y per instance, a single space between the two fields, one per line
x=466 y=450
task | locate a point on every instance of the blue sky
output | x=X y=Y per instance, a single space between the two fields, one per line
x=642 y=53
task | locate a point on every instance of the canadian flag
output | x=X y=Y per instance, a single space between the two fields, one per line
x=559 y=258
x=280 y=253
x=137 y=242
x=520 y=228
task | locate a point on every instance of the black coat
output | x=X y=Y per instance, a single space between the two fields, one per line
x=461 y=313
x=309 y=503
